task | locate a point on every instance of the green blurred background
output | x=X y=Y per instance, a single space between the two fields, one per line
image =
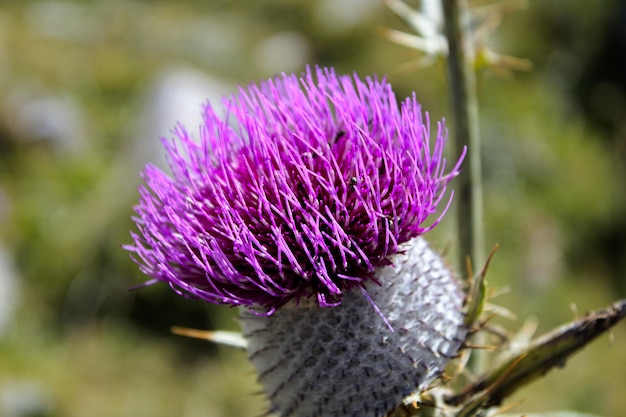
x=88 y=87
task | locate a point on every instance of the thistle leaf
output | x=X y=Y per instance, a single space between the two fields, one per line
x=546 y=352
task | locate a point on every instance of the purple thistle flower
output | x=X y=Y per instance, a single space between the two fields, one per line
x=307 y=187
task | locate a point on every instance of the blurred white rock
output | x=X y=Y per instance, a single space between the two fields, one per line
x=55 y=119
x=9 y=293
x=64 y=20
x=282 y=52
x=343 y=15
x=217 y=39
x=176 y=96
x=24 y=398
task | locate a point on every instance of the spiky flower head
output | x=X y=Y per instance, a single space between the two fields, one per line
x=309 y=188
x=306 y=187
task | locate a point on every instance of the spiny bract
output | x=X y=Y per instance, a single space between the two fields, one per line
x=345 y=361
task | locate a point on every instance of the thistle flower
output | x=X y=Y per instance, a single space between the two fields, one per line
x=305 y=205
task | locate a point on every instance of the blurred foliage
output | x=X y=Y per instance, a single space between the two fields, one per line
x=81 y=345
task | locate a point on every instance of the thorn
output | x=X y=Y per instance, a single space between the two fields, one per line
x=498 y=291
x=468 y=267
x=266 y=413
x=467 y=345
x=227 y=338
x=489 y=257
x=497 y=331
x=501 y=311
x=508 y=407
x=461 y=366
x=445 y=378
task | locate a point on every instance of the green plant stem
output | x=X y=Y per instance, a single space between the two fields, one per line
x=464 y=103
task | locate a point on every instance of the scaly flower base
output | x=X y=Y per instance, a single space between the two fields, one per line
x=345 y=360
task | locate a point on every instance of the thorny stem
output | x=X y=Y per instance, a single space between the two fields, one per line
x=464 y=102
x=547 y=352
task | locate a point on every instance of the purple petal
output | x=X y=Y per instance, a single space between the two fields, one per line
x=308 y=185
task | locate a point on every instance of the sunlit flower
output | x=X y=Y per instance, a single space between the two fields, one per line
x=304 y=188
x=305 y=205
